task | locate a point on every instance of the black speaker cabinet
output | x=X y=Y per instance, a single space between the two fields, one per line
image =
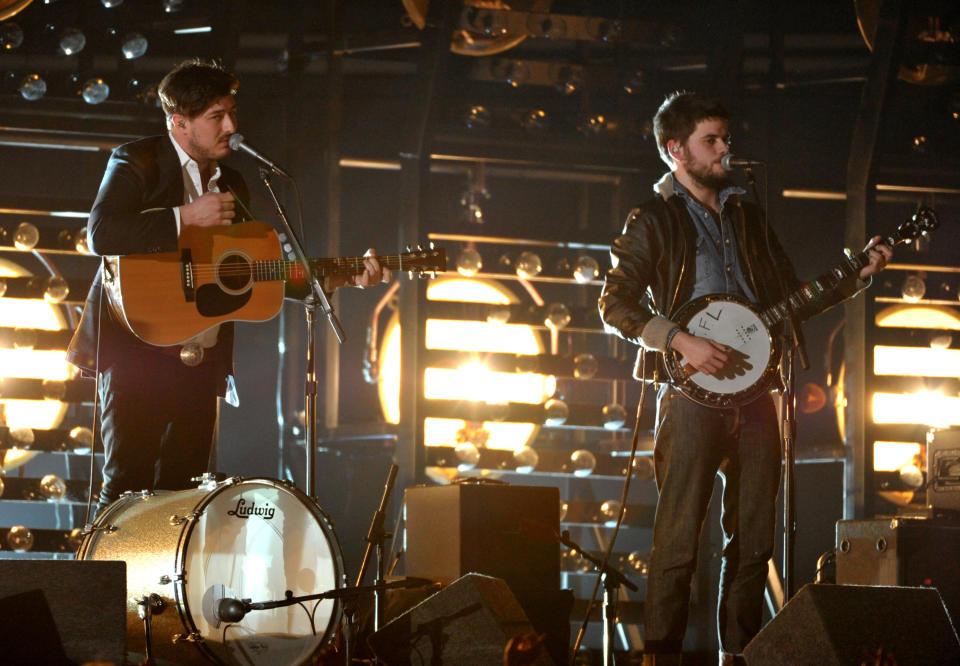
x=467 y=623
x=87 y=601
x=913 y=552
x=841 y=625
x=509 y=532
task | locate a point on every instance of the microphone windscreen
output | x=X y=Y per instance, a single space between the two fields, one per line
x=230 y=610
x=235 y=141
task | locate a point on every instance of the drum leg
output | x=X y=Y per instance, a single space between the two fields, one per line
x=147 y=607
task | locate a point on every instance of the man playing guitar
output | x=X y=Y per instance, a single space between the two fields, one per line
x=696 y=237
x=159 y=404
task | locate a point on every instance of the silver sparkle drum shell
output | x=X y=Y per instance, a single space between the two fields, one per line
x=243 y=539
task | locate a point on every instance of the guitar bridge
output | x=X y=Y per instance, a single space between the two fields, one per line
x=186 y=276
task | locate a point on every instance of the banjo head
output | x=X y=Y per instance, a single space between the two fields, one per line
x=734 y=322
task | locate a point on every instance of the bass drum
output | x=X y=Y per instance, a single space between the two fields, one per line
x=241 y=539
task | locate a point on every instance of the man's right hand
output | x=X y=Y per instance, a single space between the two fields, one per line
x=705 y=355
x=212 y=209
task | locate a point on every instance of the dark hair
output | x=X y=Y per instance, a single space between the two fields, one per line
x=678 y=116
x=192 y=86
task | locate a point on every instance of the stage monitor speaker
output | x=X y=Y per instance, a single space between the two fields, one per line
x=837 y=625
x=510 y=532
x=87 y=601
x=469 y=622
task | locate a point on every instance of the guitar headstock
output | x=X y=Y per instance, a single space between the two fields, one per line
x=420 y=261
x=922 y=222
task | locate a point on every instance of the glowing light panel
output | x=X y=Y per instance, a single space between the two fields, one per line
x=918 y=316
x=891 y=456
x=916 y=361
x=472 y=381
x=925 y=407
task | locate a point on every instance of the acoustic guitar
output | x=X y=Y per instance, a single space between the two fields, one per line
x=220 y=274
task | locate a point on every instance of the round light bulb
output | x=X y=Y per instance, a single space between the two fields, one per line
x=95 y=91
x=558 y=316
x=529 y=264
x=583 y=462
x=72 y=41
x=33 y=87
x=585 y=366
x=53 y=487
x=614 y=416
x=20 y=539
x=134 y=45
x=525 y=459
x=468 y=455
x=26 y=236
x=57 y=290
x=469 y=262
x=11 y=36
x=586 y=269
x=555 y=412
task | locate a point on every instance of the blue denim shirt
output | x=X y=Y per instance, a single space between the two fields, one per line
x=718 y=262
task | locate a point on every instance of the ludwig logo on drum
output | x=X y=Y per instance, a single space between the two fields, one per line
x=243 y=511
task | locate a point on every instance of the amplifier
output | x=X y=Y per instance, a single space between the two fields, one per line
x=943 y=469
x=912 y=552
x=508 y=532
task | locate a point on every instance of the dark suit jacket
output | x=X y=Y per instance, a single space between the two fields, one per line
x=133 y=214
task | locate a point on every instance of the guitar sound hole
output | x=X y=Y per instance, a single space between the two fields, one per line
x=233 y=273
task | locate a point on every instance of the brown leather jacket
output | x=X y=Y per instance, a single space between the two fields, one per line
x=654 y=263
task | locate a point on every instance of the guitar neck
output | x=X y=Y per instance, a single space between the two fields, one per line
x=282 y=269
x=813 y=290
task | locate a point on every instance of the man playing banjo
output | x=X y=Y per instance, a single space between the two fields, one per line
x=696 y=238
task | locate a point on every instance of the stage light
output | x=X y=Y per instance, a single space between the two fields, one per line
x=26 y=236
x=583 y=462
x=610 y=510
x=529 y=264
x=111 y=3
x=639 y=562
x=567 y=78
x=546 y=26
x=477 y=116
x=585 y=366
x=72 y=41
x=29 y=363
x=916 y=361
x=597 y=124
x=535 y=120
x=555 y=412
x=633 y=83
x=57 y=290
x=890 y=456
x=485 y=22
x=33 y=87
x=171 y=6
x=469 y=262
x=924 y=407
x=471 y=382
x=913 y=288
x=134 y=46
x=81 y=438
x=558 y=316
x=614 y=416
x=95 y=91
x=20 y=538
x=918 y=316
x=525 y=460
x=586 y=269
x=11 y=36
x=468 y=454
x=53 y=487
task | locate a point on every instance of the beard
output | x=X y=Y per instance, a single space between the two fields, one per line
x=704 y=176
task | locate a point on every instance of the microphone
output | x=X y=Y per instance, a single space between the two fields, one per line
x=232 y=610
x=730 y=162
x=237 y=143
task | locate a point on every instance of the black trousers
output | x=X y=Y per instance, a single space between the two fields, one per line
x=158 y=424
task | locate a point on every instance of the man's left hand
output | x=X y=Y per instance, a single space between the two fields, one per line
x=373 y=273
x=879 y=254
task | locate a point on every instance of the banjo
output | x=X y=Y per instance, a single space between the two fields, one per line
x=746 y=329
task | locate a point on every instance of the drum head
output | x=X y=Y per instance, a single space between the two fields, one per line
x=256 y=539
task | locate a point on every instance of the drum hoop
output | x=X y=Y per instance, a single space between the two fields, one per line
x=326 y=526
x=101 y=521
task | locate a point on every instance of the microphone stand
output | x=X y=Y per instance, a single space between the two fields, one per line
x=376 y=535
x=317 y=300
x=793 y=346
x=612 y=580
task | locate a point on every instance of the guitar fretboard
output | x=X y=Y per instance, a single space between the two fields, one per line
x=282 y=269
